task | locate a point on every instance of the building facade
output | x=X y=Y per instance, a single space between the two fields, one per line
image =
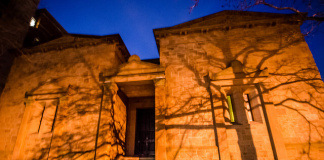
x=14 y=19
x=232 y=85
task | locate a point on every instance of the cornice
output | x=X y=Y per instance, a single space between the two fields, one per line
x=81 y=41
x=229 y=25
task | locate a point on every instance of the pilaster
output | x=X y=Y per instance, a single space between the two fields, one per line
x=160 y=112
x=105 y=150
x=18 y=152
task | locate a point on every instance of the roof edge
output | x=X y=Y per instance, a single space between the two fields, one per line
x=234 y=12
x=109 y=39
x=51 y=18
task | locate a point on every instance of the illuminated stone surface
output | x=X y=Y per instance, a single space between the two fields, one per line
x=76 y=97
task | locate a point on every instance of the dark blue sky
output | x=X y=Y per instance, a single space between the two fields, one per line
x=135 y=20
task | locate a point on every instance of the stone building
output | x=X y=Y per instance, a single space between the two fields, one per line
x=232 y=85
x=14 y=19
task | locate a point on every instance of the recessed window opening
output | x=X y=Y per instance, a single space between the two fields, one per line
x=252 y=105
x=247 y=105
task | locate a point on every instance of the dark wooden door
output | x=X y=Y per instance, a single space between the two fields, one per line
x=145 y=133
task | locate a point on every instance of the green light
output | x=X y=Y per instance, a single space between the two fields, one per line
x=230 y=108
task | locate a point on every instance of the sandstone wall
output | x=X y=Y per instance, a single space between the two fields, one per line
x=112 y=128
x=61 y=85
x=294 y=89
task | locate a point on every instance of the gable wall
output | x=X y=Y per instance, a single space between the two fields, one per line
x=54 y=71
x=281 y=49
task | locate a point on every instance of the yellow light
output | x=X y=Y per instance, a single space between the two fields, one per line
x=230 y=108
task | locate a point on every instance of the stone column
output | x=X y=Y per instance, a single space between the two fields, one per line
x=105 y=135
x=160 y=111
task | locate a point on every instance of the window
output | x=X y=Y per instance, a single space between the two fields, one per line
x=243 y=105
x=32 y=22
x=230 y=108
x=252 y=105
x=247 y=105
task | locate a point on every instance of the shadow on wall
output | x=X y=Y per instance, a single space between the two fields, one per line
x=70 y=130
x=296 y=89
x=191 y=114
x=64 y=120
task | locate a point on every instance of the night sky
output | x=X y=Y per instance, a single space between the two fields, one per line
x=135 y=20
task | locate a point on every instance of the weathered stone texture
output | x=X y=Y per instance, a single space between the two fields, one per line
x=69 y=113
x=72 y=71
x=112 y=128
x=294 y=83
